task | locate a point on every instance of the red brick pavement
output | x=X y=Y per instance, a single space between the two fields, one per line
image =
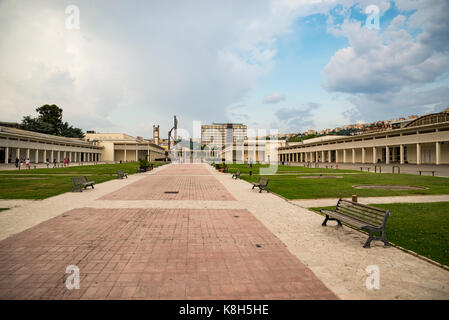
x=189 y=187
x=184 y=169
x=154 y=254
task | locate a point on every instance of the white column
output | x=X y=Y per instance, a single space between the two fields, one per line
x=36 y=156
x=52 y=155
x=437 y=152
x=363 y=155
x=125 y=154
x=329 y=156
x=18 y=153
x=70 y=156
x=59 y=156
x=387 y=155
x=137 y=154
x=336 y=156
x=374 y=155
x=6 y=154
x=353 y=155
x=418 y=153
x=28 y=154
x=401 y=154
x=45 y=155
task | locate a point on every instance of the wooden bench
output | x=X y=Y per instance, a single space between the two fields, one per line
x=361 y=216
x=433 y=172
x=367 y=168
x=81 y=182
x=262 y=184
x=122 y=174
x=236 y=175
x=141 y=169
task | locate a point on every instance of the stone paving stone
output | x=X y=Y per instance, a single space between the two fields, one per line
x=154 y=254
x=205 y=187
x=184 y=169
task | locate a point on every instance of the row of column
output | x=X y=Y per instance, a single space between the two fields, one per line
x=72 y=156
x=314 y=156
x=137 y=155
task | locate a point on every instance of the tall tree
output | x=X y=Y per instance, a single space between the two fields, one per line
x=50 y=121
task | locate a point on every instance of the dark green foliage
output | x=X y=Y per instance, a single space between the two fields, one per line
x=50 y=121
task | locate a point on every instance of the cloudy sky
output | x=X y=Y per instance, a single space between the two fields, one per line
x=290 y=65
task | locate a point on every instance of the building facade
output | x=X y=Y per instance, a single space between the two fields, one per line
x=122 y=147
x=38 y=147
x=424 y=140
x=222 y=134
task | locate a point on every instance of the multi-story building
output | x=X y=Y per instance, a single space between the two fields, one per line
x=222 y=134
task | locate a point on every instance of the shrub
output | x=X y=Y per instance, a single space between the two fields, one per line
x=144 y=163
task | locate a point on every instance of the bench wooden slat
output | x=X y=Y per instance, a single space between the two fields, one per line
x=364 y=206
x=364 y=211
x=357 y=216
x=360 y=216
x=360 y=212
x=357 y=211
x=345 y=218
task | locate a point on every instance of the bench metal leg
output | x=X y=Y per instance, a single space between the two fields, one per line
x=384 y=239
x=370 y=238
x=331 y=219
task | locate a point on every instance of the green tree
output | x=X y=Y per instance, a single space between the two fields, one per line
x=50 y=121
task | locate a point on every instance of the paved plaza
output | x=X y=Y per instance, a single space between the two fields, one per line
x=185 y=231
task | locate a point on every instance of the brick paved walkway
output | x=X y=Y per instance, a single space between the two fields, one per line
x=156 y=253
x=188 y=187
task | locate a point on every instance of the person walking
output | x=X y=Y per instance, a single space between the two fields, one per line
x=20 y=163
x=65 y=162
x=27 y=163
x=54 y=163
x=47 y=163
x=17 y=162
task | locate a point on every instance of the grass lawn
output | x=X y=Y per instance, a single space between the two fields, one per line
x=419 y=227
x=291 y=187
x=44 y=183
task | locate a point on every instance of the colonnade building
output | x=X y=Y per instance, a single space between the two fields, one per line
x=422 y=141
x=95 y=147
x=126 y=148
x=38 y=147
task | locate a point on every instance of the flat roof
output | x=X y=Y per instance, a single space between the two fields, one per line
x=21 y=134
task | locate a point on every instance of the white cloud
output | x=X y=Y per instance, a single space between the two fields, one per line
x=381 y=71
x=274 y=98
x=135 y=59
